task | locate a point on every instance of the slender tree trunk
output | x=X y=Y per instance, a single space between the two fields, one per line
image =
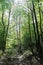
x=40 y=20
x=29 y=27
x=34 y=26
x=3 y=19
x=38 y=45
x=3 y=39
x=19 y=49
x=30 y=38
x=16 y=29
x=19 y=27
x=19 y=36
x=6 y=33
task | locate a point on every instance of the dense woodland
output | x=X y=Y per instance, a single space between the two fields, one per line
x=21 y=29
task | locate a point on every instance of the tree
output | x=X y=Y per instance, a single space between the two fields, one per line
x=38 y=44
x=5 y=5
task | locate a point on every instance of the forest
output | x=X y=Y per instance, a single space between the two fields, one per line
x=21 y=32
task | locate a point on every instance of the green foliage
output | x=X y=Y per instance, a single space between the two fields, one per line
x=5 y=3
x=19 y=25
x=26 y=41
x=18 y=11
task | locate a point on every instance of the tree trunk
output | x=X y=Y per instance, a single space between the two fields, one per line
x=30 y=38
x=3 y=39
x=34 y=26
x=6 y=32
x=38 y=44
x=40 y=21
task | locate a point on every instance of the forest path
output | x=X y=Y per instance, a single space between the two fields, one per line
x=25 y=59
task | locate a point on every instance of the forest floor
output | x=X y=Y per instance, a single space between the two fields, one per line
x=25 y=59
